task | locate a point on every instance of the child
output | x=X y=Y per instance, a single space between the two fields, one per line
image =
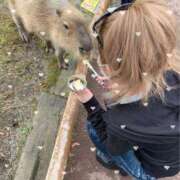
x=139 y=133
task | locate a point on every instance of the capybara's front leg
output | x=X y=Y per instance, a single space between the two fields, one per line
x=22 y=31
x=60 y=57
x=49 y=47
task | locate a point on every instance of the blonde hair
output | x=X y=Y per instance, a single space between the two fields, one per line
x=144 y=40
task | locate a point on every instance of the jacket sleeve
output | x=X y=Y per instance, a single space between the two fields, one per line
x=114 y=144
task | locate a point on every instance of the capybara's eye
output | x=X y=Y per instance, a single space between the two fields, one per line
x=66 y=26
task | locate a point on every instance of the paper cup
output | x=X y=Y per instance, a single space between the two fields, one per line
x=77 y=82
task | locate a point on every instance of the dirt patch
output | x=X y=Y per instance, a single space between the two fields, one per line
x=23 y=74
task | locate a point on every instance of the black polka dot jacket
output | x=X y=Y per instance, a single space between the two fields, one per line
x=151 y=130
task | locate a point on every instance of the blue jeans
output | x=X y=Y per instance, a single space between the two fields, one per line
x=128 y=161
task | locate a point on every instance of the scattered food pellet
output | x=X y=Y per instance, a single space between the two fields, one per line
x=10 y=86
x=93 y=76
x=145 y=73
x=9 y=53
x=169 y=55
x=145 y=104
x=119 y=60
x=75 y=144
x=169 y=12
x=168 y=88
x=13 y=11
x=122 y=13
x=117 y=91
x=41 y=74
x=116 y=172
x=40 y=147
x=64 y=172
x=173 y=126
x=166 y=167
x=93 y=108
x=66 y=61
x=7 y=128
x=95 y=35
x=138 y=34
x=63 y=94
x=2 y=133
x=93 y=149
x=135 y=148
x=42 y=33
x=6 y=165
x=123 y=126
x=2 y=155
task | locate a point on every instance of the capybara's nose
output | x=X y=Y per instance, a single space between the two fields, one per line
x=85 y=49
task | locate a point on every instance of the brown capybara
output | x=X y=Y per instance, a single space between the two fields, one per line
x=56 y=21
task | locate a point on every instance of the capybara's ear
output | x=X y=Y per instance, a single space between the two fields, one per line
x=58 y=12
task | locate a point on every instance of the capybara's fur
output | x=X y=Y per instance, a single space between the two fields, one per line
x=57 y=21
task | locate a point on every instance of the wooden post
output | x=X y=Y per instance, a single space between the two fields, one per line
x=56 y=170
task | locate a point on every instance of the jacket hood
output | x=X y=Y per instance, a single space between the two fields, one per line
x=172 y=93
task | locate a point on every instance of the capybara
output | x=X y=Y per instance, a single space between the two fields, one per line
x=57 y=21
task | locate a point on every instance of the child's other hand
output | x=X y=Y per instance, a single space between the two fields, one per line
x=84 y=95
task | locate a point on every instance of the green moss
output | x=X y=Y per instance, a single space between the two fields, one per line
x=22 y=134
x=53 y=73
x=8 y=32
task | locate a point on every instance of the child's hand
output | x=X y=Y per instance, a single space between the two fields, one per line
x=103 y=81
x=84 y=95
